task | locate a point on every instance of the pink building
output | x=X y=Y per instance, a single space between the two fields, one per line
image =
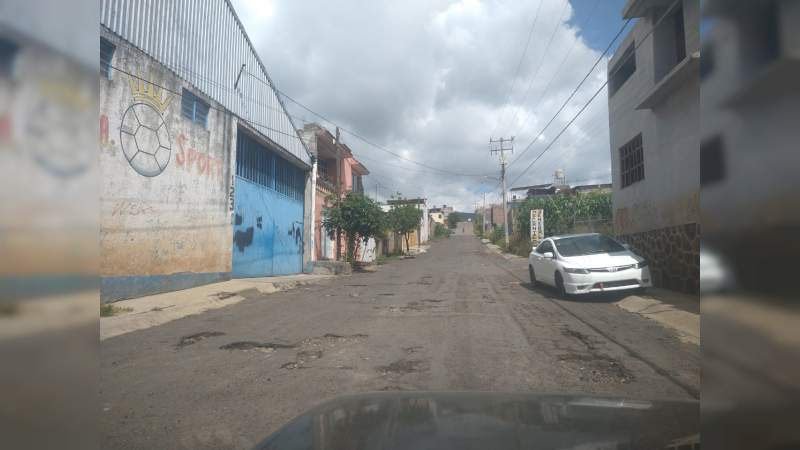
x=320 y=142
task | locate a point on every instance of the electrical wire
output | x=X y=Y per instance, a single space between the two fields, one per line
x=574 y=91
x=365 y=140
x=541 y=61
x=519 y=65
x=604 y=85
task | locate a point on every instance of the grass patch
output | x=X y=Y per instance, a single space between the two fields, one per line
x=108 y=310
x=383 y=259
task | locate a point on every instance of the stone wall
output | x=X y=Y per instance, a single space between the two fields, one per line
x=673 y=254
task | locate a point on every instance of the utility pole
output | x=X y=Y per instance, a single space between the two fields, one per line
x=502 y=149
x=338 y=188
x=484 y=214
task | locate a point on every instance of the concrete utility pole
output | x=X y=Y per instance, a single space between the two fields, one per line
x=502 y=149
x=338 y=187
x=484 y=214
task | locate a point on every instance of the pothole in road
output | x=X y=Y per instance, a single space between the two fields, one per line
x=403 y=366
x=412 y=306
x=313 y=349
x=412 y=349
x=427 y=280
x=253 y=345
x=197 y=337
x=392 y=387
x=432 y=300
x=586 y=340
x=599 y=368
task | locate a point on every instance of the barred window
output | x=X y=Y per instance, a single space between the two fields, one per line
x=194 y=108
x=289 y=180
x=8 y=54
x=106 y=55
x=256 y=163
x=631 y=158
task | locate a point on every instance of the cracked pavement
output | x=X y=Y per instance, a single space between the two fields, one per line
x=457 y=317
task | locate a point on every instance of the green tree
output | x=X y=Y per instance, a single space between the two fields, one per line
x=477 y=224
x=440 y=230
x=453 y=218
x=404 y=219
x=358 y=217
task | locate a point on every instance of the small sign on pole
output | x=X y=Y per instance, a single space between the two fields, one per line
x=537 y=225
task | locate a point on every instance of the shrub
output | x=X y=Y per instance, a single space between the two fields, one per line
x=440 y=231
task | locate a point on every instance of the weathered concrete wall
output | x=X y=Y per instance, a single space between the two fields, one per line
x=165 y=216
x=669 y=194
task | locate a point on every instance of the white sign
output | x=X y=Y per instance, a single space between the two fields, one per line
x=537 y=225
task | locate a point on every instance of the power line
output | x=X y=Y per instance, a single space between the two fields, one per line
x=519 y=65
x=541 y=61
x=641 y=41
x=180 y=94
x=365 y=140
x=558 y=69
x=574 y=91
x=561 y=132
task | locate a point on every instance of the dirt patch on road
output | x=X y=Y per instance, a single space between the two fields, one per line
x=197 y=337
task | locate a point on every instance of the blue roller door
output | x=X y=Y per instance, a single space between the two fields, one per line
x=268 y=205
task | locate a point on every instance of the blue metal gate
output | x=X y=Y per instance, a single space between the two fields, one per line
x=268 y=205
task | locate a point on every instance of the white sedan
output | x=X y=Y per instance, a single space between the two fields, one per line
x=584 y=263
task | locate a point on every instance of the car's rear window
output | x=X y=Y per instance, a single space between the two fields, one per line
x=587 y=245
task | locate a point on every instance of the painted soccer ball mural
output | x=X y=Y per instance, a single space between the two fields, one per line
x=145 y=140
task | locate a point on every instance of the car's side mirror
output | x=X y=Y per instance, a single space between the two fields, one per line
x=548 y=255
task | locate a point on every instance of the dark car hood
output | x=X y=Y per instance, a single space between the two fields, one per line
x=474 y=420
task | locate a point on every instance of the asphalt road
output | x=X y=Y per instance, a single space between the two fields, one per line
x=458 y=317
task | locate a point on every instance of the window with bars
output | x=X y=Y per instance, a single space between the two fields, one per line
x=256 y=163
x=8 y=54
x=107 y=50
x=712 y=161
x=194 y=108
x=631 y=156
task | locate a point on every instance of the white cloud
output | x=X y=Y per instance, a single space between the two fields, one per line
x=429 y=79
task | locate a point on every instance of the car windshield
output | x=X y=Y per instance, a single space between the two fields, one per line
x=587 y=245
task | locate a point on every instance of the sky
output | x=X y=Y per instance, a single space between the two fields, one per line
x=433 y=80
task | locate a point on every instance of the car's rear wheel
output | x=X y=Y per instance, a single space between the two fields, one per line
x=532 y=276
x=562 y=291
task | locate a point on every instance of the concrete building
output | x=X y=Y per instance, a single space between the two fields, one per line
x=748 y=151
x=204 y=176
x=654 y=120
x=350 y=172
x=440 y=214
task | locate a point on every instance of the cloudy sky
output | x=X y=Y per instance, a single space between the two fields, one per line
x=433 y=80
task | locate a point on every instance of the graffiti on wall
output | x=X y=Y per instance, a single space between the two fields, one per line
x=143 y=134
x=296 y=232
x=195 y=161
x=243 y=239
x=131 y=208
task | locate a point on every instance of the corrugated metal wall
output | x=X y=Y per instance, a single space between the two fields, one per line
x=204 y=42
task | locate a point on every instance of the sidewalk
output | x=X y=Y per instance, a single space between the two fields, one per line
x=674 y=310
x=152 y=310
